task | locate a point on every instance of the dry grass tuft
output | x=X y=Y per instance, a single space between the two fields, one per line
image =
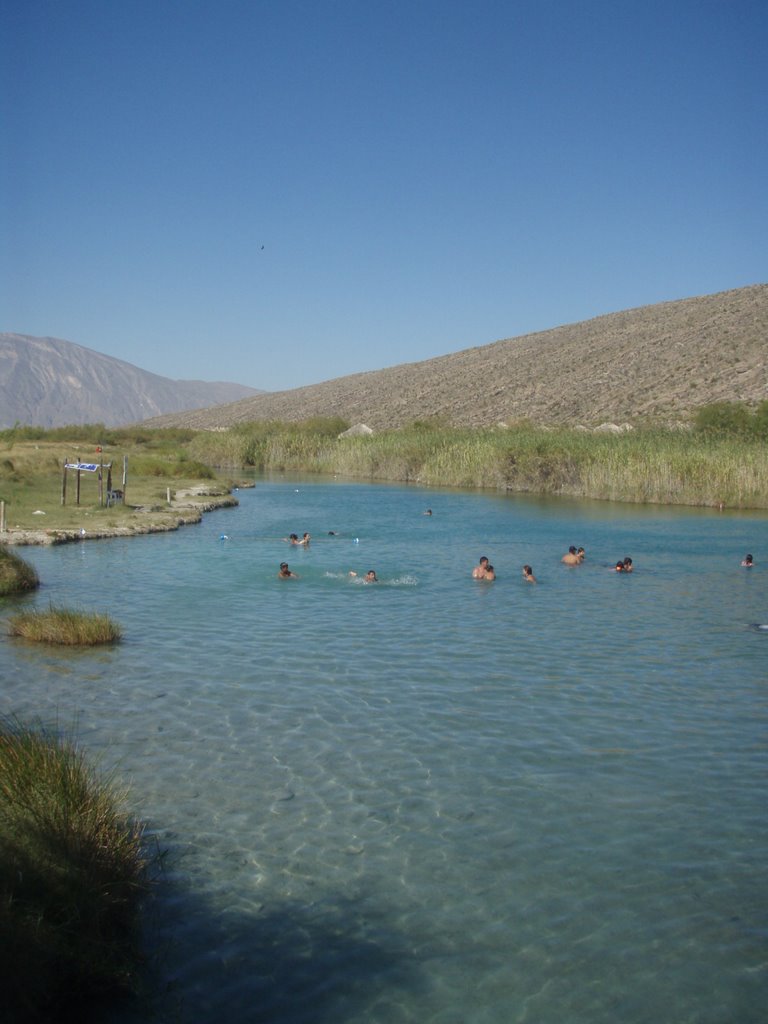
x=64 y=626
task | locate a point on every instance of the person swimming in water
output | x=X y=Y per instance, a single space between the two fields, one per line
x=627 y=564
x=285 y=573
x=571 y=557
x=528 y=574
x=748 y=562
x=620 y=567
x=481 y=569
x=370 y=576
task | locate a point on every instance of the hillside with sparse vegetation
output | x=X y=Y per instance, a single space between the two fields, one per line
x=654 y=364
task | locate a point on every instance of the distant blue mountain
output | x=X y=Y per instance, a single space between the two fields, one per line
x=48 y=382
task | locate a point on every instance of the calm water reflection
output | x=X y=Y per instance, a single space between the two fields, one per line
x=433 y=800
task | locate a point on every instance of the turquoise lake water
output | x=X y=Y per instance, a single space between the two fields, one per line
x=432 y=800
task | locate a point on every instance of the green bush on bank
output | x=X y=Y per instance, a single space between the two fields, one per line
x=180 y=466
x=94 y=434
x=72 y=875
x=733 y=419
x=16 y=575
x=265 y=444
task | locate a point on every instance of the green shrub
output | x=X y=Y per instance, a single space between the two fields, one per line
x=177 y=466
x=434 y=422
x=66 y=627
x=72 y=874
x=16 y=575
x=322 y=426
x=723 y=418
x=733 y=419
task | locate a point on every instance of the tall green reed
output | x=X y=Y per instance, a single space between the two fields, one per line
x=72 y=874
x=661 y=466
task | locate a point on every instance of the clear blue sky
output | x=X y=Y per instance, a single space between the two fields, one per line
x=278 y=193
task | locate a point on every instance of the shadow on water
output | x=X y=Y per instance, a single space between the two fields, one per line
x=337 y=960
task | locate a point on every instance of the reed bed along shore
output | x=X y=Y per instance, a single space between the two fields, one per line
x=720 y=459
x=65 y=626
x=72 y=875
x=685 y=467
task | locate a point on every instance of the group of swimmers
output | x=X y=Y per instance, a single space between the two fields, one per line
x=286 y=573
x=483 y=570
x=574 y=556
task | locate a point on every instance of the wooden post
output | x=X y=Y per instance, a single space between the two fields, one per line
x=78 y=484
x=125 y=475
x=168 y=495
x=101 y=479
x=2 y=517
x=64 y=485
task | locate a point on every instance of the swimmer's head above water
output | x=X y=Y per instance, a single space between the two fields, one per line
x=370 y=576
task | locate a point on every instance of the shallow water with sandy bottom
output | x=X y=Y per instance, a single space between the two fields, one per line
x=432 y=799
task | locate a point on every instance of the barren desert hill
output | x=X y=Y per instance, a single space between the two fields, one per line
x=655 y=363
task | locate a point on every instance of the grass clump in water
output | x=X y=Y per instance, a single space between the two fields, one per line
x=16 y=575
x=64 y=626
x=72 y=875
